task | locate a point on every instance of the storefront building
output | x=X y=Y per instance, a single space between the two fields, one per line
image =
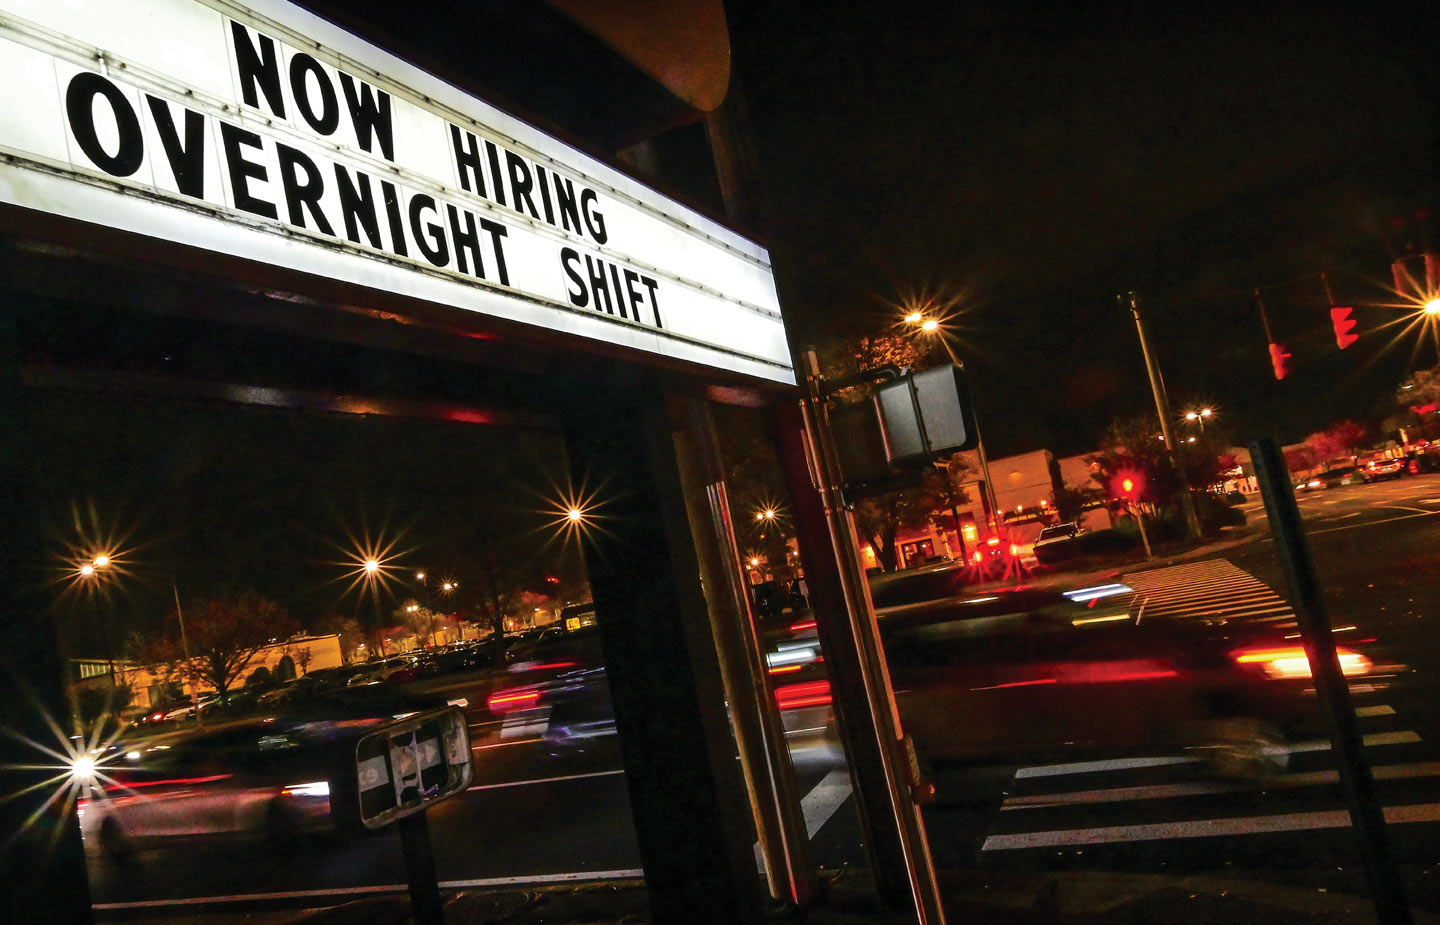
x=277 y=299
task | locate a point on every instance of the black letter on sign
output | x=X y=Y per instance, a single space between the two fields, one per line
x=570 y=260
x=467 y=160
x=300 y=192
x=372 y=120
x=652 y=285
x=466 y=239
x=633 y=294
x=187 y=158
x=357 y=204
x=434 y=247
x=257 y=69
x=329 y=118
x=497 y=232
x=565 y=198
x=596 y=271
x=594 y=219
x=80 y=107
x=392 y=215
x=521 y=183
x=241 y=170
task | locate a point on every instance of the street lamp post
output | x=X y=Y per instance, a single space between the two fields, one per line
x=91 y=571
x=1199 y=417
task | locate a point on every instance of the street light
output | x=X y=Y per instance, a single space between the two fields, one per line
x=1432 y=307
x=91 y=570
x=1199 y=417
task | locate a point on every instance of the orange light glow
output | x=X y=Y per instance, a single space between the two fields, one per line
x=1290 y=662
x=502 y=701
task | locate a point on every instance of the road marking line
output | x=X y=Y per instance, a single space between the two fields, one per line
x=628 y=874
x=544 y=780
x=1086 y=767
x=1372 y=523
x=820 y=803
x=250 y=897
x=1401 y=507
x=1125 y=764
x=1202 y=828
x=481 y=748
x=1383 y=709
x=1204 y=788
x=1378 y=738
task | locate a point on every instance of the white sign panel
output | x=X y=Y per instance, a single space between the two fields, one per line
x=265 y=132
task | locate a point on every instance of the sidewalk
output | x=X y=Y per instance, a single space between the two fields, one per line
x=971 y=897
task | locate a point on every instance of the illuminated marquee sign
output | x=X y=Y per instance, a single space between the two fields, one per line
x=266 y=132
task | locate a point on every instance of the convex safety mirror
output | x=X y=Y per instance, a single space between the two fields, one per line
x=408 y=765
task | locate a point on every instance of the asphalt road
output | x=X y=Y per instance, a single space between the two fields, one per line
x=531 y=818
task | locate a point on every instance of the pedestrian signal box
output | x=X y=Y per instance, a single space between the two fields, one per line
x=925 y=415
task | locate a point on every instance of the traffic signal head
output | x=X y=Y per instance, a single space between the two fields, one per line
x=1280 y=361
x=1127 y=484
x=1343 y=324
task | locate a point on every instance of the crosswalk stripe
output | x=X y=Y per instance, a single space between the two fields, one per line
x=1379 y=738
x=1215 y=586
x=1205 y=788
x=1114 y=764
x=1124 y=764
x=1202 y=828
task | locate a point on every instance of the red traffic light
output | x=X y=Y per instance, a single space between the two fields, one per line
x=1280 y=361
x=1342 y=322
x=1128 y=484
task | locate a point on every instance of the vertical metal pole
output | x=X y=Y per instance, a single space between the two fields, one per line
x=1162 y=408
x=1366 y=815
x=874 y=676
x=420 y=869
x=185 y=649
x=759 y=734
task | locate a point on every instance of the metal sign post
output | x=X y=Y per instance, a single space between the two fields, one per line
x=400 y=770
x=1366 y=815
x=881 y=716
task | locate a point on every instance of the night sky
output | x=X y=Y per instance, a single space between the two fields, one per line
x=1030 y=163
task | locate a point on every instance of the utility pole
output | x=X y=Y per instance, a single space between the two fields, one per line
x=1162 y=408
x=185 y=648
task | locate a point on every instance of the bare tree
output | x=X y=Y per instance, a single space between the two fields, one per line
x=224 y=634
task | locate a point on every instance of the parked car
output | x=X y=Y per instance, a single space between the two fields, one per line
x=1057 y=542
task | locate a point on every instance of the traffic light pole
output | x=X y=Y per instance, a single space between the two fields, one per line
x=1162 y=408
x=1367 y=817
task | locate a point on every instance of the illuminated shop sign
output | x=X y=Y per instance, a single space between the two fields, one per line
x=266 y=132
